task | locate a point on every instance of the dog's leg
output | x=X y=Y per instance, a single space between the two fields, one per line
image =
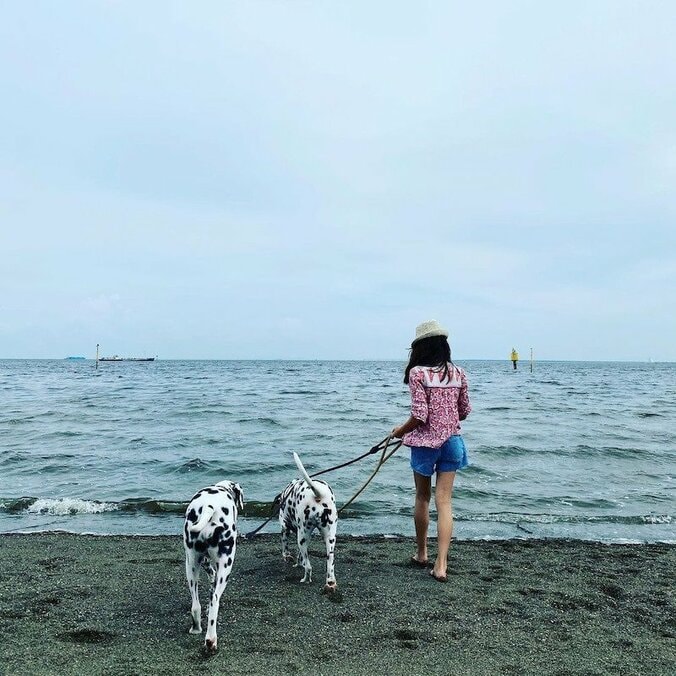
x=286 y=554
x=206 y=563
x=192 y=573
x=303 y=558
x=223 y=568
x=329 y=534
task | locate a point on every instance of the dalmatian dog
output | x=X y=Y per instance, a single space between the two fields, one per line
x=210 y=540
x=303 y=506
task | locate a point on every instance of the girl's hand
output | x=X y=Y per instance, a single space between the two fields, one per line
x=408 y=426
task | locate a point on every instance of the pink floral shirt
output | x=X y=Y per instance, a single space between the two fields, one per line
x=438 y=404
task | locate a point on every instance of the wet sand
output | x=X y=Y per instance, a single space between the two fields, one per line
x=74 y=604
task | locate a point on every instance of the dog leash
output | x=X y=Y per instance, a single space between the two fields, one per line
x=371 y=451
x=384 y=457
x=273 y=514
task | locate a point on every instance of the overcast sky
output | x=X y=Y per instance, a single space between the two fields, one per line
x=312 y=179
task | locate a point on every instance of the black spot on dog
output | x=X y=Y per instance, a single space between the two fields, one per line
x=225 y=546
x=326 y=517
x=191 y=516
x=212 y=541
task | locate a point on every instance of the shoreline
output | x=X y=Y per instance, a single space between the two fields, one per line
x=91 y=604
x=530 y=537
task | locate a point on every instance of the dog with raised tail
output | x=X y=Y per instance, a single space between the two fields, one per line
x=306 y=505
x=210 y=541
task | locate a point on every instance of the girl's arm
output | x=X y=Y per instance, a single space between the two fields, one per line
x=408 y=426
x=419 y=410
x=464 y=407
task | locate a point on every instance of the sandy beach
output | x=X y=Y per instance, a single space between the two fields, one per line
x=73 y=604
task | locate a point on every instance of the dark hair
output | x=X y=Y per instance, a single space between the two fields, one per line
x=433 y=351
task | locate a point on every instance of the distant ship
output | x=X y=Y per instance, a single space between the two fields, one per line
x=116 y=358
x=74 y=358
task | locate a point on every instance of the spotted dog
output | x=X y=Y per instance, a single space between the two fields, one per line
x=303 y=506
x=210 y=540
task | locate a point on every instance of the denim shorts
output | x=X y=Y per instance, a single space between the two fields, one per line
x=449 y=457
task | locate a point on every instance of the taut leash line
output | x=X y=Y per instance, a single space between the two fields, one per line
x=373 y=449
x=384 y=457
x=275 y=511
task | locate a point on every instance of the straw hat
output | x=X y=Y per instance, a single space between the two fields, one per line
x=427 y=330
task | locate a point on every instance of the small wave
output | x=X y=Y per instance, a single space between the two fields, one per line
x=69 y=506
x=498 y=408
x=646 y=414
x=506 y=450
x=152 y=506
x=611 y=451
x=11 y=458
x=24 y=456
x=301 y=392
x=17 y=421
x=195 y=465
x=263 y=421
x=514 y=517
x=143 y=505
x=199 y=412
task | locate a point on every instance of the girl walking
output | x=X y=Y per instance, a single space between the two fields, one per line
x=439 y=401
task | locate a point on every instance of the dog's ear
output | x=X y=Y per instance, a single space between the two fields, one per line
x=238 y=495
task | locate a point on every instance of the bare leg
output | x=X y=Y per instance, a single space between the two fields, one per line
x=421 y=515
x=443 y=497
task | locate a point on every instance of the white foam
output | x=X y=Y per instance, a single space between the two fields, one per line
x=658 y=518
x=69 y=506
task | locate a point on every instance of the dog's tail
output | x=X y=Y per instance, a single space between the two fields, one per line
x=205 y=516
x=315 y=488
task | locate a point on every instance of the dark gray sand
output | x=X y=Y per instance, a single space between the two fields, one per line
x=120 y=605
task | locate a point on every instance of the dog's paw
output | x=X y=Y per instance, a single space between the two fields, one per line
x=211 y=645
x=330 y=588
x=195 y=630
x=287 y=558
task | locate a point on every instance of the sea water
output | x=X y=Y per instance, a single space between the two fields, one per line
x=574 y=449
